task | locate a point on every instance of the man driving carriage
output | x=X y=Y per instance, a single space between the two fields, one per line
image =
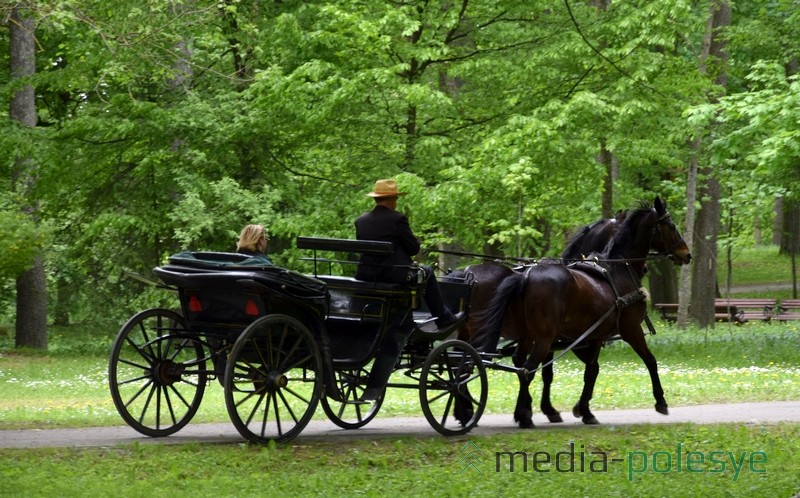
x=385 y=223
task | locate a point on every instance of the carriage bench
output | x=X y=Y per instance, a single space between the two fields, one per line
x=352 y=299
x=789 y=309
x=722 y=312
x=366 y=301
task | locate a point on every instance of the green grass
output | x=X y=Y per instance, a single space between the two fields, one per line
x=753 y=362
x=613 y=465
x=754 y=267
x=68 y=387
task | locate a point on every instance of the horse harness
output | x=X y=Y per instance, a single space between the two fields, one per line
x=620 y=302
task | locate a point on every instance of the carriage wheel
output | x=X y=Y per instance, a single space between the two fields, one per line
x=453 y=388
x=156 y=374
x=350 y=414
x=273 y=379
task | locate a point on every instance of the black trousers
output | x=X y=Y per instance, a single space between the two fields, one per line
x=433 y=295
x=397 y=334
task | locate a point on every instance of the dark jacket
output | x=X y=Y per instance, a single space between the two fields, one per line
x=392 y=226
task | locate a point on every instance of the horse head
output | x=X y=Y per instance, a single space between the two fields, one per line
x=665 y=238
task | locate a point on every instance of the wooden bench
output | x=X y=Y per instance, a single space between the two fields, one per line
x=722 y=313
x=750 y=308
x=789 y=309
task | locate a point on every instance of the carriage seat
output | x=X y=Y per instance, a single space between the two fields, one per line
x=209 y=260
x=336 y=281
x=350 y=246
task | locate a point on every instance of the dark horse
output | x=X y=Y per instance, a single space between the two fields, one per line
x=488 y=276
x=591 y=299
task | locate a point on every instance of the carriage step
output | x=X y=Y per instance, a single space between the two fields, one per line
x=427 y=324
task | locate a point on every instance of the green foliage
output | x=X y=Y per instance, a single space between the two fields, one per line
x=163 y=126
x=21 y=239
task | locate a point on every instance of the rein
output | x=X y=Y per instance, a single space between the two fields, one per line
x=583 y=336
x=620 y=303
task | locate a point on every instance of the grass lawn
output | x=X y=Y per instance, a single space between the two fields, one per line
x=679 y=460
x=68 y=387
x=751 y=362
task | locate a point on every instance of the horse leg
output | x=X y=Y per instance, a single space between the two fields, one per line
x=523 y=412
x=589 y=356
x=547 y=379
x=638 y=343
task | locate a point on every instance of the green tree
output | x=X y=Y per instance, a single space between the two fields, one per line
x=31 y=311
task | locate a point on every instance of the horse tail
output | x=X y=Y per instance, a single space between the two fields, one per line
x=494 y=315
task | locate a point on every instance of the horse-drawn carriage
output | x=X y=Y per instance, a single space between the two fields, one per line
x=280 y=342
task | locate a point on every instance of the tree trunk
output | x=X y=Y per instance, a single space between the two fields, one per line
x=790 y=242
x=62 y=305
x=777 y=226
x=685 y=286
x=704 y=254
x=663 y=281
x=31 y=319
x=31 y=326
x=704 y=249
x=610 y=169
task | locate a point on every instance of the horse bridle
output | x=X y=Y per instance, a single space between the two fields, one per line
x=664 y=218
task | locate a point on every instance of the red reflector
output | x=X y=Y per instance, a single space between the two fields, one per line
x=194 y=305
x=251 y=309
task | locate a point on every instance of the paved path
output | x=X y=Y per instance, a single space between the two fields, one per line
x=323 y=430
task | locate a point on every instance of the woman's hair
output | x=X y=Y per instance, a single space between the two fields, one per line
x=248 y=239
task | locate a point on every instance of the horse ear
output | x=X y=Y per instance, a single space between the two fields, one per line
x=661 y=206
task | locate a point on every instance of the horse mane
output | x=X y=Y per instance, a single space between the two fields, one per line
x=626 y=233
x=587 y=236
x=577 y=239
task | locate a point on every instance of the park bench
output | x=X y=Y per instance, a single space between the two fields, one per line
x=750 y=308
x=738 y=310
x=789 y=309
x=722 y=312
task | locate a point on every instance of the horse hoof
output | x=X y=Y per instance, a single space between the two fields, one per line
x=526 y=424
x=590 y=420
x=662 y=409
x=555 y=418
x=576 y=412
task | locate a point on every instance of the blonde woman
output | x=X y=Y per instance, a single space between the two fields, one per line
x=253 y=241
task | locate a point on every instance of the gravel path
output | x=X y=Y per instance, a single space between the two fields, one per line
x=323 y=430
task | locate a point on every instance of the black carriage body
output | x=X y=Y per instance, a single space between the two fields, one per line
x=275 y=338
x=217 y=292
x=362 y=312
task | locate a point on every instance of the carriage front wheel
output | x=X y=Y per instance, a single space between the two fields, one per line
x=453 y=388
x=156 y=373
x=273 y=379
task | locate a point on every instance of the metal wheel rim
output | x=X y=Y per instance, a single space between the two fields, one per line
x=452 y=367
x=351 y=384
x=156 y=373
x=273 y=379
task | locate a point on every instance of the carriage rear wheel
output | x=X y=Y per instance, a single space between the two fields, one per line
x=350 y=414
x=453 y=388
x=156 y=373
x=273 y=379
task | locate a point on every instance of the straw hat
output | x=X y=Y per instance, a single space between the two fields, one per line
x=385 y=188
